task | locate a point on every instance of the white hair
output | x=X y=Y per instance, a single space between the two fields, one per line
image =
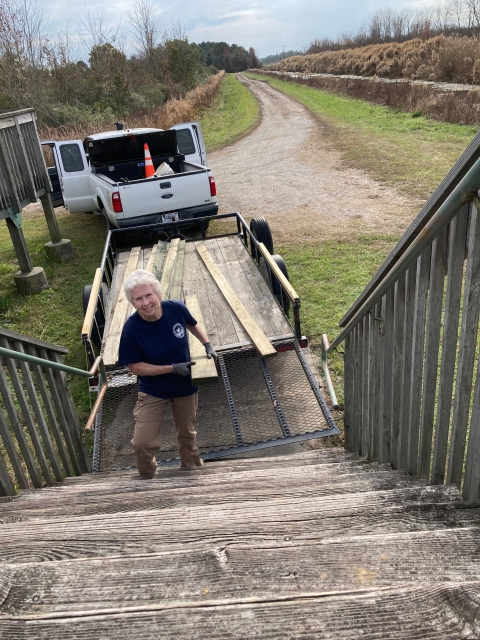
x=139 y=278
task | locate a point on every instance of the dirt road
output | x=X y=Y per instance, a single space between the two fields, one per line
x=288 y=171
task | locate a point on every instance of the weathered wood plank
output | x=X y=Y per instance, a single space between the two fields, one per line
x=424 y=611
x=110 y=354
x=13 y=335
x=159 y=259
x=259 y=286
x=264 y=570
x=204 y=370
x=466 y=353
x=168 y=266
x=175 y=290
x=386 y=377
x=26 y=413
x=6 y=485
x=365 y=388
x=16 y=428
x=435 y=304
x=456 y=257
x=12 y=454
x=418 y=349
x=49 y=410
x=410 y=286
x=398 y=325
x=92 y=304
x=358 y=385
x=257 y=336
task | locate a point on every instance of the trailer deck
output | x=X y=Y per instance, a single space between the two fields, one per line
x=255 y=402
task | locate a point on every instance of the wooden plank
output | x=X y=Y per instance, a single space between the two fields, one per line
x=49 y=410
x=92 y=304
x=17 y=427
x=410 y=285
x=365 y=387
x=175 y=292
x=399 y=315
x=348 y=391
x=13 y=336
x=466 y=353
x=204 y=369
x=418 y=349
x=42 y=425
x=435 y=304
x=26 y=413
x=249 y=285
x=427 y=611
x=12 y=454
x=110 y=354
x=292 y=294
x=456 y=257
x=193 y=285
x=159 y=259
x=257 y=336
x=386 y=388
x=471 y=482
x=358 y=386
x=218 y=258
x=6 y=484
x=168 y=268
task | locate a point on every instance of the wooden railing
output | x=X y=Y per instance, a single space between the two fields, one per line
x=40 y=439
x=412 y=390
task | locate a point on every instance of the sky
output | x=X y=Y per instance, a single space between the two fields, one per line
x=267 y=25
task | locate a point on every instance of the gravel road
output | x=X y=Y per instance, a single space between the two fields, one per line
x=288 y=171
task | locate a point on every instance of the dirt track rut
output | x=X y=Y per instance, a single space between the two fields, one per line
x=289 y=172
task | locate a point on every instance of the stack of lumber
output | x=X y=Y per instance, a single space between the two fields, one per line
x=315 y=545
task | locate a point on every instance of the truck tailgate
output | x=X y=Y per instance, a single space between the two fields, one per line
x=169 y=193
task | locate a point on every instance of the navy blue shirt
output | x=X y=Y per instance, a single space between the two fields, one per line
x=163 y=342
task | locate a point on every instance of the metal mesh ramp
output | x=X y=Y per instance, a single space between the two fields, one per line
x=255 y=404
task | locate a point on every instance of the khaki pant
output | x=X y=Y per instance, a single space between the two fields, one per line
x=148 y=414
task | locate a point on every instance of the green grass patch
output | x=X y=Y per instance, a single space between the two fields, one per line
x=328 y=279
x=411 y=153
x=234 y=113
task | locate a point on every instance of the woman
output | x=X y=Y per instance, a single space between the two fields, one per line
x=154 y=345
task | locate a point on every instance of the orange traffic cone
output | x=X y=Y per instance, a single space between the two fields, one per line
x=149 y=168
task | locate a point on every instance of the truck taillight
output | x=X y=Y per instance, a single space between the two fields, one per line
x=213 y=186
x=117 y=202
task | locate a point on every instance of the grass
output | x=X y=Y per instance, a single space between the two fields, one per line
x=412 y=154
x=328 y=278
x=233 y=114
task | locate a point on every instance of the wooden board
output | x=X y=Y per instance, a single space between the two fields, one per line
x=204 y=369
x=168 y=268
x=258 y=337
x=110 y=355
x=431 y=611
x=157 y=259
x=175 y=292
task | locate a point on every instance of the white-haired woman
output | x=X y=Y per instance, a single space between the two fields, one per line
x=154 y=345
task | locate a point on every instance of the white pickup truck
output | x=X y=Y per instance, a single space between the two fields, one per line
x=106 y=174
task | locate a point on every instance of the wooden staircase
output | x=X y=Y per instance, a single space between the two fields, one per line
x=315 y=545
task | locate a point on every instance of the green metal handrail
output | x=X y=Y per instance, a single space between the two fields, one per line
x=98 y=366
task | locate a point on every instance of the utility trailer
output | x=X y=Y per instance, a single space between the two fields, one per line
x=255 y=402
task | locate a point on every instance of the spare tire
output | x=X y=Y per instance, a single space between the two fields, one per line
x=261 y=232
x=275 y=285
x=99 y=324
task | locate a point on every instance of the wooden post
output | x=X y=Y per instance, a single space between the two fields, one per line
x=58 y=249
x=29 y=279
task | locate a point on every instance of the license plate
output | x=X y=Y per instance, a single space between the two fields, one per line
x=170 y=217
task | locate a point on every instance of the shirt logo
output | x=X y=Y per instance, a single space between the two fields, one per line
x=178 y=330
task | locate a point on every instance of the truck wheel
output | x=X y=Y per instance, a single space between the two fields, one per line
x=261 y=232
x=275 y=285
x=99 y=324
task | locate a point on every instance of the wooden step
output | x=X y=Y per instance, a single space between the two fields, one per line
x=195 y=489
x=276 y=521
x=427 y=611
x=237 y=572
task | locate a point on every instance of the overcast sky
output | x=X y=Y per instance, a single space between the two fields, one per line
x=266 y=25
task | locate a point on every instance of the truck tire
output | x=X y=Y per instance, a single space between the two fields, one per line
x=275 y=285
x=99 y=324
x=261 y=232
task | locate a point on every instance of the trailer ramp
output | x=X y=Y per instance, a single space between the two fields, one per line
x=255 y=404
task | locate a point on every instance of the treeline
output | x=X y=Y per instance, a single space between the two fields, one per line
x=231 y=58
x=276 y=57
x=446 y=17
x=102 y=72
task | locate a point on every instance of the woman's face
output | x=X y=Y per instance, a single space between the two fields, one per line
x=147 y=302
